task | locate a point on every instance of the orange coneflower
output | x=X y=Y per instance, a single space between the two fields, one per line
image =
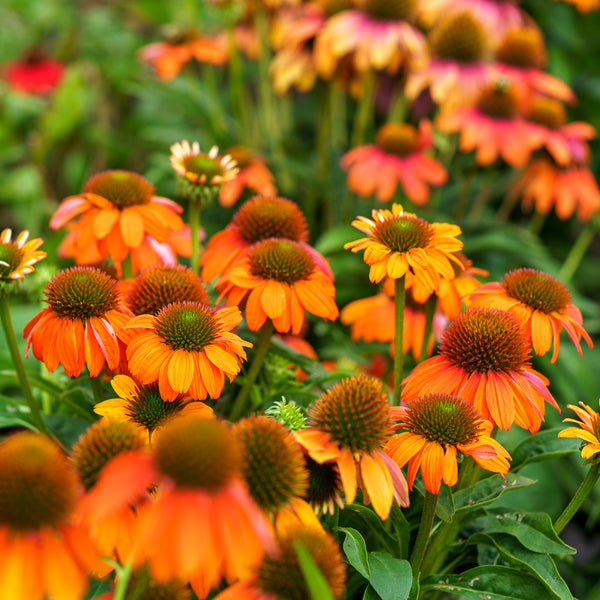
x=120 y=216
x=484 y=359
x=349 y=425
x=279 y=576
x=259 y=218
x=584 y=6
x=144 y=406
x=188 y=348
x=278 y=279
x=44 y=552
x=399 y=243
x=195 y=464
x=541 y=304
x=493 y=127
x=253 y=174
x=588 y=430
x=398 y=156
x=436 y=428
x=83 y=324
x=17 y=258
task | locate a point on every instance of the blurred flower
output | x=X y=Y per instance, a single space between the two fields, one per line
x=168 y=57
x=43 y=551
x=437 y=426
x=397 y=156
x=279 y=279
x=569 y=189
x=147 y=589
x=584 y=6
x=349 y=425
x=34 y=73
x=188 y=348
x=144 y=406
x=493 y=128
x=17 y=258
x=541 y=304
x=399 y=243
x=195 y=463
x=259 y=218
x=483 y=358
x=155 y=287
x=119 y=215
x=253 y=174
x=588 y=430
x=83 y=324
x=279 y=576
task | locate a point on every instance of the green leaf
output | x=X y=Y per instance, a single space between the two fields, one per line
x=491 y=582
x=487 y=490
x=373 y=522
x=539 y=565
x=533 y=530
x=318 y=587
x=543 y=445
x=445 y=508
x=391 y=577
x=355 y=550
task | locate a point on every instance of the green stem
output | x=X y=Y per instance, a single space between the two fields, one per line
x=399 y=302
x=127 y=268
x=429 y=314
x=463 y=196
x=580 y=495
x=195 y=209
x=578 y=250
x=9 y=332
x=123 y=576
x=429 y=505
x=239 y=406
x=364 y=110
x=267 y=100
x=238 y=94
x=397 y=112
x=537 y=222
x=97 y=389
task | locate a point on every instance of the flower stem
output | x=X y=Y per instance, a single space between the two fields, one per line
x=364 y=110
x=97 y=391
x=537 y=222
x=580 y=495
x=578 y=250
x=239 y=406
x=127 y=268
x=416 y=558
x=124 y=574
x=9 y=332
x=429 y=314
x=195 y=209
x=399 y=302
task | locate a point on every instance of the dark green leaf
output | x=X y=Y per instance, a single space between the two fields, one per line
x=445 y=506
x=543 y=445
x=355 y=550
x=391 y=577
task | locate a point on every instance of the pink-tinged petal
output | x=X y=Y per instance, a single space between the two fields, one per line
x=106 y=338
x=69 y=208
x=377 y=481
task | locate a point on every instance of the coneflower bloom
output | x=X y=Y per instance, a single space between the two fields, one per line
x=587 y=430
x=571 y=189
x=83 y=324
x=18 y=257
x=401 y=244
x=34 y=73
x=398 y=156
x=44 y=552
x=279 y=575
x=259 y=218
x=349 y=425
x=253 y=175
x=155 y=287
x=435 y=428
x=484 y=359
x=143 y=405
x=541 y=304
x=188 y=348
x=119 y=215
x=493 y=127
x=324 y=485
x=278 y=279
x=201 y=524
x=378 y=34
x=584 y=6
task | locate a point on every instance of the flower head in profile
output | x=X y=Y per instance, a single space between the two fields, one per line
x=83 y=324
x=399 y=243
x=188 y=348
x=484 y=358
x=44 y=551
x=119 y=216
x=398 y=156
x=541 y=304
x=196 y=465
x=435 y=428
x=259 y=218
x=279 y=575
x=349 y=426
x=18 y=257
x=143 y=405
x=278 y=279
x=587 y=430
